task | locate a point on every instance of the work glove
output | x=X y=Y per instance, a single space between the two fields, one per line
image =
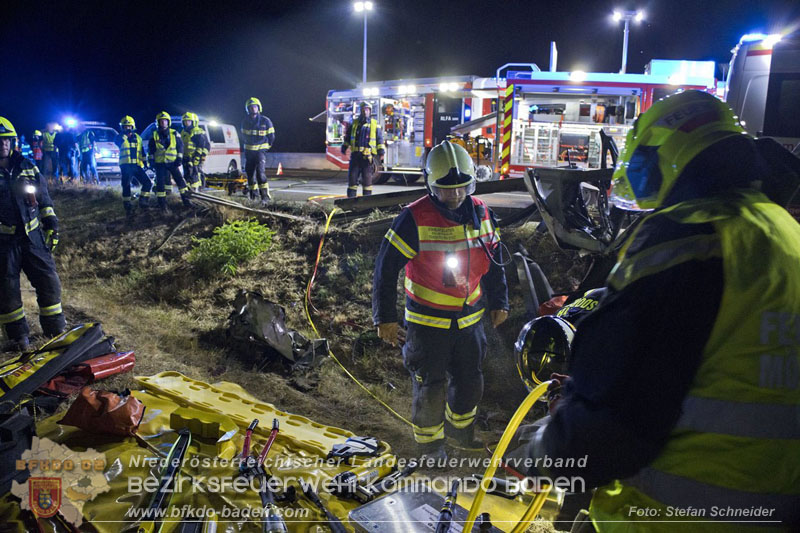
x=392 y=333
x=498 y=316
x=344 y=149
x=51 y=239
x=554 y=391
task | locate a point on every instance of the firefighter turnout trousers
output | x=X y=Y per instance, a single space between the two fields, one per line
x=255 y=166
x=163 y=183
x=129 y=173
x=360 y=169
x=29 y=254
x=89 y=167
x=447 y=377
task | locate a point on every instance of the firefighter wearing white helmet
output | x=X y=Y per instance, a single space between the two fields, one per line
x=258 y=135
x=28 y=234
x=684 y=391
x=364 y=138
x=450 y=247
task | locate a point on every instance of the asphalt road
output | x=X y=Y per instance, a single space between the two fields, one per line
x=327 y=186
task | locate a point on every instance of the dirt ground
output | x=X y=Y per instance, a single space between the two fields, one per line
x=120 y=272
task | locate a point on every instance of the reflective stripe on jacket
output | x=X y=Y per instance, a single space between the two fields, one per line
x=49 y=141
x=373 y=146
x=131 y=151
x=446 y=271
x=165 y=154
x=737 y=442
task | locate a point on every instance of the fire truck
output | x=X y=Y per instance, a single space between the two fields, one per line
x=414 y=115
x=763 y=86
x=544 y=119
x=555 y=119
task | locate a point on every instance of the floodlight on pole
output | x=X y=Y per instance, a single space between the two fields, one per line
x=626 y=16
x=364 y=7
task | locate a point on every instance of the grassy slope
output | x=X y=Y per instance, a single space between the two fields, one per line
x=157 y=305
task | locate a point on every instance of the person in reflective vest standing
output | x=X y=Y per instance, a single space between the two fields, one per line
x=690 y=413
x=364 y=138
x=86 y=142
x=165 y=153
x=131 y=164
x=451 y=250
x=50 y=153
x=259 y=136
x=28 y=234
x=37 y=144
x=195 y=150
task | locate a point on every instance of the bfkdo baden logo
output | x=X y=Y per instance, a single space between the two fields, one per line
x=44 y=496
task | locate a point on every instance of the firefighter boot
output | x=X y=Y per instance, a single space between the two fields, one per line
x=186 y=201
x=464 y=440
x=17 y=345
x=144 y=201
x=265 y=196
x=432 y=454
x=162 y=204
x=252 y=192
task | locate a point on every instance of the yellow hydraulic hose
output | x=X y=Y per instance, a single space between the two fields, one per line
x=537 y=502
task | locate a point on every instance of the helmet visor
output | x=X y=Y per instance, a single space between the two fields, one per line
x=453 y=195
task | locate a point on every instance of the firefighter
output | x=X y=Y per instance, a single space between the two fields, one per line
x=28 y=234
x=365 y=140
x=68 y=151
x=259 y=136
x=131 y=164
x=165 y=151
x=451 y=251
x=87 y=142
x=195 y=150
x=37 y=147
x=691 y=407
x=50 y=153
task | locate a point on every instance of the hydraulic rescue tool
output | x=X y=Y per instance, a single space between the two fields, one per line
x=366 y=483
x=449 y=505
x=334 y=523
x=161 y=497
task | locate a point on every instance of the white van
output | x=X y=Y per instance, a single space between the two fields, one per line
x=225 y=153
x=763 y=86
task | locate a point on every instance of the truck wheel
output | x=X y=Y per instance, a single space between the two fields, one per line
x=406 y=179
x=484 y=173
x=381 y=178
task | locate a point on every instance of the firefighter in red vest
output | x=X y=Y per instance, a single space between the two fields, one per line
x=450 y=247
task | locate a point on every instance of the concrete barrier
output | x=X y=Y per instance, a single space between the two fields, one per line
x=299 y=160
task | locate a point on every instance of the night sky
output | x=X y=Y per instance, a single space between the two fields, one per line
x=102 y=60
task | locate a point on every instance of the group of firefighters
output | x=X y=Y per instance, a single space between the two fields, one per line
x=64 y=155
x=683 y=388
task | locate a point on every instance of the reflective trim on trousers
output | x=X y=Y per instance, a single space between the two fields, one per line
x=424 y=435
x=459 y=421
x=51 y=310
x=48 y=212
x=13 y=316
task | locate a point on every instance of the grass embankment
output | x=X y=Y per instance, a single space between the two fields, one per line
x=156 y=303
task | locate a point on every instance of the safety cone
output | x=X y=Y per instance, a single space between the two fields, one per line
x=280 y=170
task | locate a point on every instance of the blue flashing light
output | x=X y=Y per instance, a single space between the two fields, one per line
x=70 y=122
x=467 y=113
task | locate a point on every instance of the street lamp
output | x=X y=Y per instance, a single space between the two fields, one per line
x=627 y=16
x=364 y=7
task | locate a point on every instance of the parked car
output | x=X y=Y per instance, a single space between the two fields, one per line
x=106 y=152
x=225 y=153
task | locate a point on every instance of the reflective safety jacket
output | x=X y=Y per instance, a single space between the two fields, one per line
x=86 y=141
x=131 y=151
x=36 y=147
x=23 y=208
x=195 y=145
x=49 y=141
x=165 y=148
x=257 y=134
x=736 y=442
x=368 y=141
x=446 y=265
